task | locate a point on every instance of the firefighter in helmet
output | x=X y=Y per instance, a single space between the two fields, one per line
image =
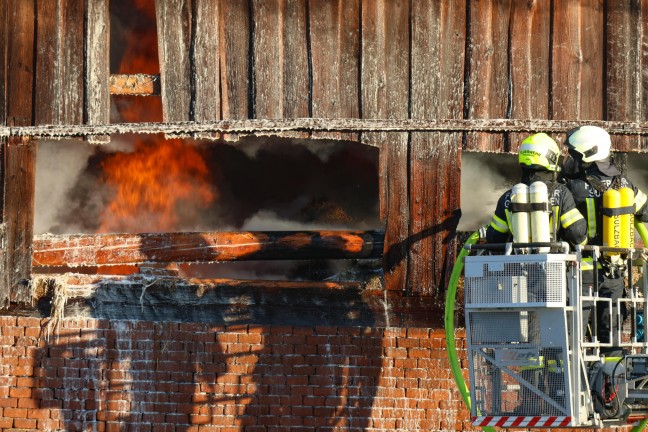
x=589 y=171
x=538 y=158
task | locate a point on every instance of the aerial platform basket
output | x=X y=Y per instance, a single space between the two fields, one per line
x=529 y=363
x=517 y=322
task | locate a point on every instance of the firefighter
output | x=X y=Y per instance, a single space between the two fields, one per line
x=589 y=171
x=538 y=158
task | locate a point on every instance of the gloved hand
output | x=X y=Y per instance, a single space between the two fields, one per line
x=482 y=232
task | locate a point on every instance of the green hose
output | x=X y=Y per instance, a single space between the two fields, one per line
x=640 y=426
x=643 y=232
x=449 y=323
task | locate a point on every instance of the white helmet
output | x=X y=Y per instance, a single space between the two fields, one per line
x=592 y=142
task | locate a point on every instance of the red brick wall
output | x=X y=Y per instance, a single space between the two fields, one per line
x=129 y=375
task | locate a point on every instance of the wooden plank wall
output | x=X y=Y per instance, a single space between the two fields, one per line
x=427 y=59
x=385 y=94
x=97 y=73
x=438 y=41
x=395 y=59
x=19 y=155
x=4 y=45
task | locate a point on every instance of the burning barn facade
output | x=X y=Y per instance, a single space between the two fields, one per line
x=117 y=328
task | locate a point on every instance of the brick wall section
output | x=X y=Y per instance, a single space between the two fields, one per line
x=100 y=375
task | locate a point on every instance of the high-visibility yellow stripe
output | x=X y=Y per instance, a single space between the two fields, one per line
x=509 y=216
x=588 y=264
x=553 y=217
x=591 y=218
x=570 y=217
x=640 y=200
x=499 y=225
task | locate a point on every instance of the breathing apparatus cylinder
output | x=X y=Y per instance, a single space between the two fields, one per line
x=520 y=219
x=626 y=196
x=611 y=220
x=540 y=229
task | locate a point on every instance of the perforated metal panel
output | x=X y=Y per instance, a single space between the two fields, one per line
x=510 y=280
x=520 y=381
x=515 y=370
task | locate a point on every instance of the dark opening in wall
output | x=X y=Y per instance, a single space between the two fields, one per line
x=150 y=184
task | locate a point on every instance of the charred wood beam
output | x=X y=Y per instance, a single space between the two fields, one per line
x=135 y=85
x=82 y=285
x=270 y=126
x=227 y=301
x=120 y=249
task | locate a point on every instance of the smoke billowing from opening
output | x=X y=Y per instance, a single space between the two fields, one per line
x=257 y=184
x=484 y=178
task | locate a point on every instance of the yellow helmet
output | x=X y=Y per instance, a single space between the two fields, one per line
x=539 y=151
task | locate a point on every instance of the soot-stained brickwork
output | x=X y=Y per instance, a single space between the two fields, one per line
x=142 y=376
x=111 y=375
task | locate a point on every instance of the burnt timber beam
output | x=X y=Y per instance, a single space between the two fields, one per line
x=135 y=85
x=271 y=126
x=121 y=249
x=79 y=285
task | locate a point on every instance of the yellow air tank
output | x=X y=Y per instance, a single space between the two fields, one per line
x=626 y=196
x=611 y=223
x=540 y=230
x=520 y=219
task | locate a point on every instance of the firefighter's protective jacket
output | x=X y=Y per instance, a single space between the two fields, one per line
x=588 y=194
x=572 y=226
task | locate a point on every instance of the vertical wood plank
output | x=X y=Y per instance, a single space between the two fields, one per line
x=4 y=43
x=280 y=59
x=642 y=92
x=335 y=53
x=624 y=68
x=19 y=156
x=20 y=74
x=438 y=42
x=530 y=58
x=47 y=109
x=97 y=99
x=488 y=66
x=385 y=94
x=234 y=48
x=205 y=62
x=72 y=59
x=20 y=185
x=577 y=60
x=173 y=18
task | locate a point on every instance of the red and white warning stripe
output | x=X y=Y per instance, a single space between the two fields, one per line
x=522 y=421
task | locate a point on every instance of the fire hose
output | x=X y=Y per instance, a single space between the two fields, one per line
x=451 y=295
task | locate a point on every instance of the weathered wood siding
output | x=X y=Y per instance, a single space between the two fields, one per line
x=385 y=92
x=19 y=155
x=97 y=73
x=438 y=40
x=357 y=59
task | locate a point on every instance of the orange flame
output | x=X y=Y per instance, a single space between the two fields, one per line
x=154 y=185
x=162 y=185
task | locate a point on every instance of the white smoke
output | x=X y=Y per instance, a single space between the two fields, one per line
x=484 y=178
x=638 y=170
x=59 y=165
